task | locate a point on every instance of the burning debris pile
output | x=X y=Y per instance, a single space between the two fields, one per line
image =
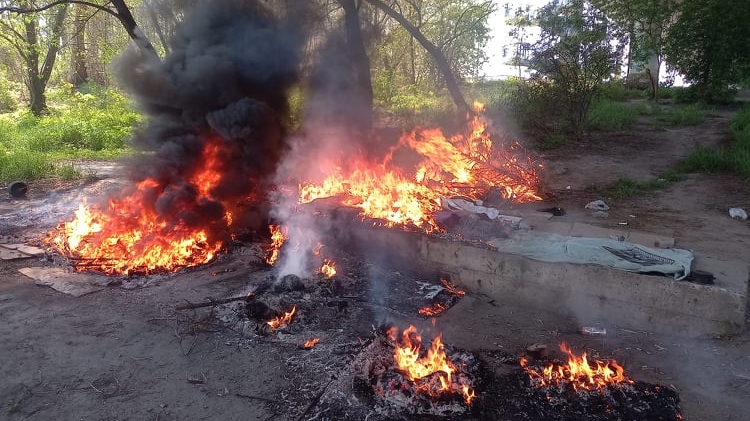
x=219 y=162
x=406 y=378
x=576 y=390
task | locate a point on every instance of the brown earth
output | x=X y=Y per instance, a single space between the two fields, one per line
x=125 y=353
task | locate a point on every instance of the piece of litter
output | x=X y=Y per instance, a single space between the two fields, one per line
x=597 y=205
x=738 y=213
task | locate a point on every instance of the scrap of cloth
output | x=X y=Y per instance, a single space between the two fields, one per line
x=604 y=252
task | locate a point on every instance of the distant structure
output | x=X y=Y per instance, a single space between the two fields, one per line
x=510 y=42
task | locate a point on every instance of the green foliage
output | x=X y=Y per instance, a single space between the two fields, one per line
x=411 y=100
x=686 y=115
x=576 y=53
x=735 y=158
x=617 y=91
x=8 y=100
x=610 y=115
x=457 y=27
x=708 y=44
x=550 y=142
x=92 y=123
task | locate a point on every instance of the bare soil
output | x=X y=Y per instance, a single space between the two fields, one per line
x=125 y=353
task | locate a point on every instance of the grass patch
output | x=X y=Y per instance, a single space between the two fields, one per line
x=610 y=115
x=93 y=124
x=735 y=158
x=682 y=115
x=627 y=187
x=550 y=142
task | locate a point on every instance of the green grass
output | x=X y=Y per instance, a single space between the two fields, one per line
x=91 y=124
x=610 y=115
x=680 y=115
x=627 y=187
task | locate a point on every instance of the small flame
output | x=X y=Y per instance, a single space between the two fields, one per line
x=410 y=361
x=433 y=310
x=310 y=343
x=282 y=321
x=578 y=372
x=328 y=269
x=278 y=238
x=452 y=288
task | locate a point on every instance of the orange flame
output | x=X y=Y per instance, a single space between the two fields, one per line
x=278 y=237
x=433 y=310
x=410 y=361
x=578 y=372
x=452 y=288
x=131 y=236
x=328 y=269
x=310 y=343
x=282 y=321
x=467 y=164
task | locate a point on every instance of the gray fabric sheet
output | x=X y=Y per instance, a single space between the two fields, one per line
x=604 y=252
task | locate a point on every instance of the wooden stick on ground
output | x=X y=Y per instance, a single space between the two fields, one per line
x=211 y=303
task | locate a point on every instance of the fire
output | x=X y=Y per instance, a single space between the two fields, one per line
x=328 y=269
x=433 y=310
x=310 y=343
x=467 y=164
x=130 y=235
x=451 y=288
x=422 y=368
x=278 y=237
x=282 y=321
x=578 y=372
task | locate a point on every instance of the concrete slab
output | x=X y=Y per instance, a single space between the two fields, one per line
x=590 y=293
x=19 y=251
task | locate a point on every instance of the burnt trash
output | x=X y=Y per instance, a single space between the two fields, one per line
x=701 y=277
x=555 y=211
x=18 y=189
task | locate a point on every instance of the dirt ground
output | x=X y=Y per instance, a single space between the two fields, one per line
x=125 y=353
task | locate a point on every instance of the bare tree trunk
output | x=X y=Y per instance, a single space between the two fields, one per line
x=135 y=33
x=79 y=70
x=39 y=76
x=434 y=51
x=356 y=50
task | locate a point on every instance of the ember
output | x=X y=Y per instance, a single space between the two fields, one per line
x=433 y=310
x=451 y=288
x=282 y=321
x=328 y=269
x=310 y=343
x=278 y=237
x=578 y=373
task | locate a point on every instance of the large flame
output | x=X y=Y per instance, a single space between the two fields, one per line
x=130 y=236
x=416 y=365
x=467 y=164
x=578 y=372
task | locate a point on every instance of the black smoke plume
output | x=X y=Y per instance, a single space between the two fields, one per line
x=224 y=82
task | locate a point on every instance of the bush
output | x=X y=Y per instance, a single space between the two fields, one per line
x=617 y=91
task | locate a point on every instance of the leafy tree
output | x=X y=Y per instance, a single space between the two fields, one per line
x=36 y=39
x=709 y=45
x=646 y=24
x=435 y=44
x=576 y=53
x=521 y=22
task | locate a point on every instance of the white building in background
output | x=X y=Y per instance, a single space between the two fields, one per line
x=502 y=47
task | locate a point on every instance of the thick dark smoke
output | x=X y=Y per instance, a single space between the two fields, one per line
x=224 y=81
